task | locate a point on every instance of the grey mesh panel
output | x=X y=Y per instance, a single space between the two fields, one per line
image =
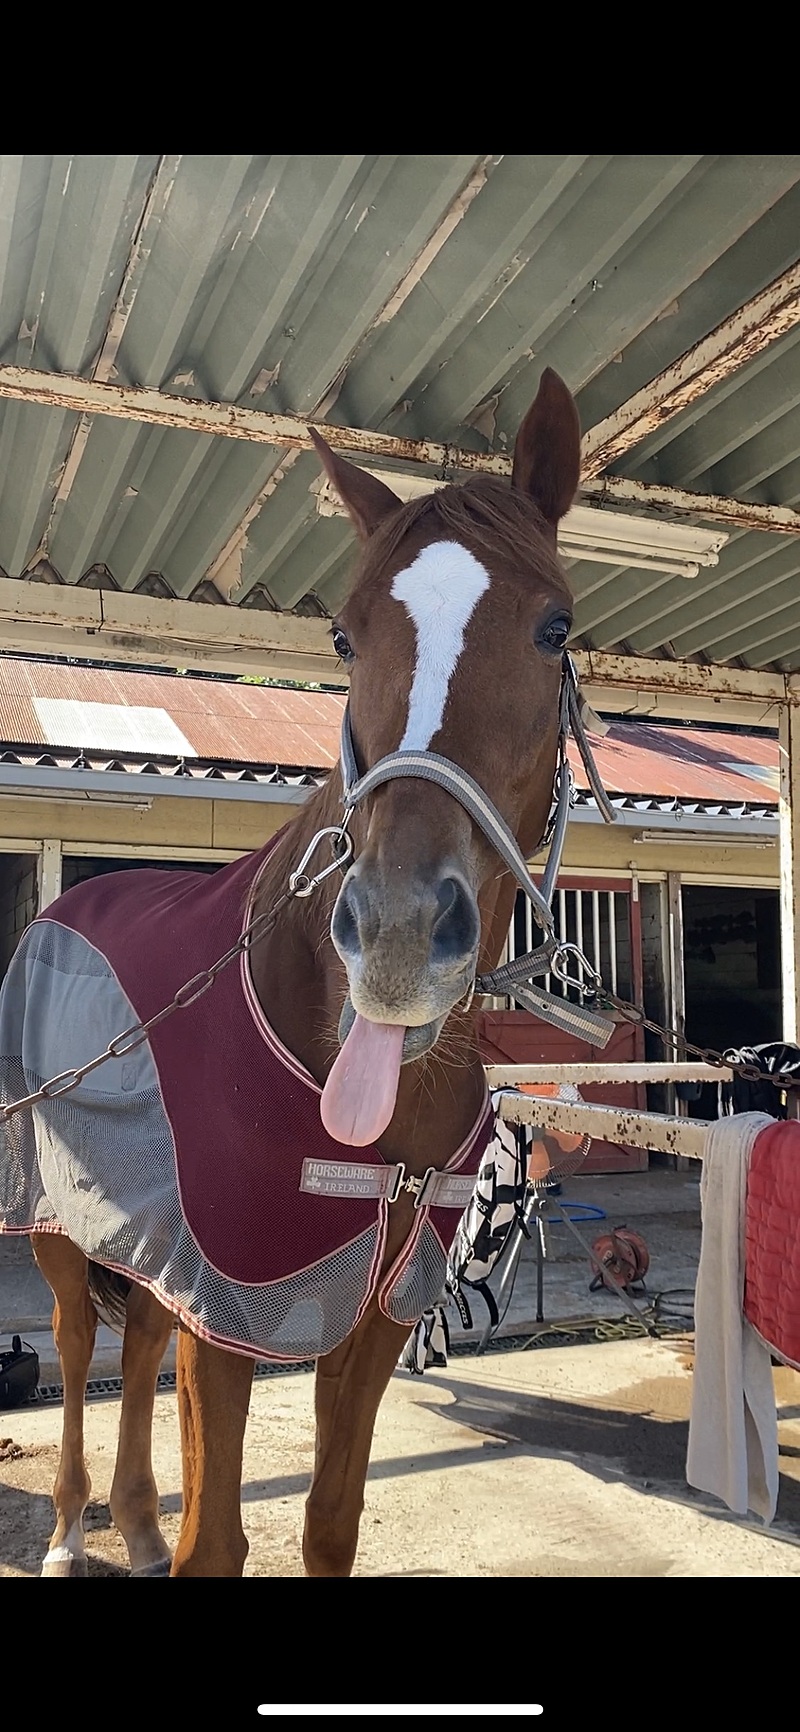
x=100 y=1161
x=419 y=1284
x=73 y=1006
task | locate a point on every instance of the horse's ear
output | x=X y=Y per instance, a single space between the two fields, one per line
x=547 y=453
x=366 y=499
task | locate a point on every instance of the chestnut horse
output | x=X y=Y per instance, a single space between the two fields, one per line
x=453 y=637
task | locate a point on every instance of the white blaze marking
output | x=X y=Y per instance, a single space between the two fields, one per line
x=440 y=592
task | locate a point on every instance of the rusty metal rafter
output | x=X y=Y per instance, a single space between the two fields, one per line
x=726 y=349
x=618 y=492
x=158 y=408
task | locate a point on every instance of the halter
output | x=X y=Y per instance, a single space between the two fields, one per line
x=553 y=955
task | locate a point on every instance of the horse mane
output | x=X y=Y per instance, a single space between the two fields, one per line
x=484 y=512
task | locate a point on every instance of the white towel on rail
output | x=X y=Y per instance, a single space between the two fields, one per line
x=733 y=1430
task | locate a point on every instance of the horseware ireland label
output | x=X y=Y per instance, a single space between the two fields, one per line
x=347 y=1179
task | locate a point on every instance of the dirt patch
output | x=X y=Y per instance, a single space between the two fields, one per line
x=26 y=1509
x=11 y=1451
x=640 y=1431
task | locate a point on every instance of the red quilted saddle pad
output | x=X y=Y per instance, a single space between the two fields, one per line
x=772 y=1260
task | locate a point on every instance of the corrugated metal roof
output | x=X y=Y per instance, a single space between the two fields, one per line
x=685 y=763
x=415 y=294
x=229 y=724
x=218 y=720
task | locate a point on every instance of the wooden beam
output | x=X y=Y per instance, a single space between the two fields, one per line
x=789 y=822
x=611 y=1124
x=511 y=1076
x=671 y=502
x=229 y=421
x=648 y=674
x=113 y=625
x=634 y=687
x=49 y=873
x=726 y=349
x=676 y=1012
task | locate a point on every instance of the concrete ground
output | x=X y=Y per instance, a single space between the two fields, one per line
x=564 y=1462
x=568 y=1462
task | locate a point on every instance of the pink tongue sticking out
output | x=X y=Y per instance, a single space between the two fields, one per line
x=359 y=1096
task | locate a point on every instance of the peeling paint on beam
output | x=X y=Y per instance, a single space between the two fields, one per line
x=611 y=1124
x=617 y=491
x=228 y=420
x=647 y=674
x=728 y=348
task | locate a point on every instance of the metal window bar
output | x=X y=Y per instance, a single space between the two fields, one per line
x=612 y=938
x=579 y=929
x=599 y=925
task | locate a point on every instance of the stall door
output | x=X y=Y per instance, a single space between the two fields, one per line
x=602 y=917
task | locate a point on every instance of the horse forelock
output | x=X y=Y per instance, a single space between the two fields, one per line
x=497 y=524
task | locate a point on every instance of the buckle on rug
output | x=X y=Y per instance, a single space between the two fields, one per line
x=397 y=1183
x=419 y=1188
x=405 y=1181
x=439 y=1188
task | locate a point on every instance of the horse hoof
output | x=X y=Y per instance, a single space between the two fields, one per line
x=162 y=1568
x=65 y=1567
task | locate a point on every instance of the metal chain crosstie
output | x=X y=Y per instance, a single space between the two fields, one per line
x=707 y=1054
x=300 y=885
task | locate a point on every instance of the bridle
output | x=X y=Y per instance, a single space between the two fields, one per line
x=553 y=954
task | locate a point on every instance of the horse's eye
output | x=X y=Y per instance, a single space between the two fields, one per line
x=556 y=632
x=341 y=644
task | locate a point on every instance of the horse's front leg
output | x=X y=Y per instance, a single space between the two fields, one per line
x=349 y=1386
x=213 y=1399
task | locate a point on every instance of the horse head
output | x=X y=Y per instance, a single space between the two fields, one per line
x=453 y=635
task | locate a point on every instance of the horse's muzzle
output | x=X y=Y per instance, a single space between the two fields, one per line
x=410 y=948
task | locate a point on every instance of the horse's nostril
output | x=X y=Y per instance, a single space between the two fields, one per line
x=455 y=928
x=446 y=896
x=425 y=925
x=345 y=923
